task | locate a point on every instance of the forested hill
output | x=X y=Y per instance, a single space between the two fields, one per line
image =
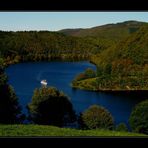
x=43 y=45
x=75 y=44
x=135 y=48
x=126 y=64
x=72 y=32
x=122 y=66
x=109 y=31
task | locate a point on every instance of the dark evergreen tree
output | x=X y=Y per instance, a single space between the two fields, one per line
x=10 y=111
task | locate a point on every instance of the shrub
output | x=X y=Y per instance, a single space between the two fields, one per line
x=50 y=106
x=97 y=117
x=121 y=127
x=80 y=77
x=90 y=73
x=139 y=118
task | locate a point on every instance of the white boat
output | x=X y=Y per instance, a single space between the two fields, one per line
x=44 y=82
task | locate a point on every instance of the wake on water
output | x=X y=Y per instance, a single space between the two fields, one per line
x=38 y=78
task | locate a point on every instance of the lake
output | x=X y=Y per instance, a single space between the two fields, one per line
x=25 y=77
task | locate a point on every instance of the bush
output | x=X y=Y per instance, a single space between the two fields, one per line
x=50 y=106
x=89 y=73
x=121 y=127
x=97 y=117
x=139 y=118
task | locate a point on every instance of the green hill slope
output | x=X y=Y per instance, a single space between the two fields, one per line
x=71 y=32
x=40 y=130
x=107 y=35
x=125 y=65
x=128 y=61
x=110 y=31
x=134 y=49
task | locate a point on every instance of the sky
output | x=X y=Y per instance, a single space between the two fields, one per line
x=53 y=21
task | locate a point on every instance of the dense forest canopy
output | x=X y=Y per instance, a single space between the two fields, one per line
x=43 y=45
x=129 y=59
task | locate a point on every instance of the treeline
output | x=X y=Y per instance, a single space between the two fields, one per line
x=44 y=45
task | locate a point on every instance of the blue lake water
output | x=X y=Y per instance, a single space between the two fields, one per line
x=25 y=77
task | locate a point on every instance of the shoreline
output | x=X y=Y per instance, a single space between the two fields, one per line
x=52 y=60
x=111 y=90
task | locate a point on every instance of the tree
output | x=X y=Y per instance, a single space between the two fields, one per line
x=97 y=117
x=121 y=127
x=139 y=118
x=10 y=111
x=108 y=69
x=3 y=77
x=49 y=106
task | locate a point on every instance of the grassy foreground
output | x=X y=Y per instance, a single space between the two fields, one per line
x=40 y=130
